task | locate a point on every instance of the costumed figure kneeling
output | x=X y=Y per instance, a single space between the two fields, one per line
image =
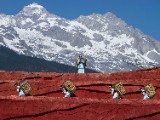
x=23 y=88
x=117 y=90
x=68 y=88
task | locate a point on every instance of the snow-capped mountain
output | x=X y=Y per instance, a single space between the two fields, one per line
x=107 y=41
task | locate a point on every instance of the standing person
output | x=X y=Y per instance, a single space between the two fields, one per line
x=81 y=64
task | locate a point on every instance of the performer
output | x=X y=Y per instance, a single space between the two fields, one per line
x=117 y=90
x=115 y=93
x=67 y=94
x=23 y=87
x=81 y=64
x=19 y=89
x=148 y=91
x=145 y=95
x=68 y=88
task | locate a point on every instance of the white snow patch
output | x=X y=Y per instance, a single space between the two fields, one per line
x=10 y=44
x=122 y=40
x=43 y=25
x=5 y=20
x=35 y=39
x=145 y=56
x=29 y=20
x=154 y=50
x=74 y=25
x=129 y=51
x=42 y=17
x=52 y=21
x=35 y=5
x=23 y=22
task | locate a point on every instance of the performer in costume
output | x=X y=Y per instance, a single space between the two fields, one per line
x=81 y=64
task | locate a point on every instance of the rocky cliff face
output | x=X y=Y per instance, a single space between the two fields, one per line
x=107 y=41
x=92 y=100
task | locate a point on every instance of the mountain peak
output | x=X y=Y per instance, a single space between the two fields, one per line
x=33 y=9
x=35 y=5
x=110 y=14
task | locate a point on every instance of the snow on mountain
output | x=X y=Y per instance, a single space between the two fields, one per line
x=107 y=41
x=6 y=20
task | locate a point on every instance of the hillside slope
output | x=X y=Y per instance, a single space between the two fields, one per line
x=92 y=100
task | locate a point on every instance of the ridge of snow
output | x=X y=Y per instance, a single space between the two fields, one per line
x=35 y=5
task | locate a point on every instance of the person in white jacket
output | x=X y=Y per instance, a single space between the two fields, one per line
x=145 y=95
x=115 y=93
x=20 y=91
x=67 y=94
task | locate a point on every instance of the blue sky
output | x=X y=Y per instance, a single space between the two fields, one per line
x=141 y=14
